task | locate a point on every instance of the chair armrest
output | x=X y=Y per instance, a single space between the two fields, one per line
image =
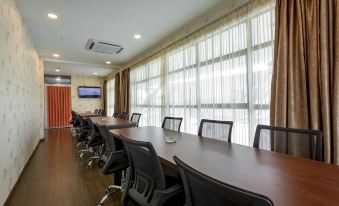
x=161 y=196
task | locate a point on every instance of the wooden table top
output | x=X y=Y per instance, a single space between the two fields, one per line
x=88 y=114
x=287 y=180
x=112 y=123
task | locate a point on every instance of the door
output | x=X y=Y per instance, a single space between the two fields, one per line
x=59 y=106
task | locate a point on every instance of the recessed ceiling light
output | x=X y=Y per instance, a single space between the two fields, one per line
x=108 y=62
x=137 y=36
x=95 y=73
x=52 y=16
x=57 y=70
x=56 y=55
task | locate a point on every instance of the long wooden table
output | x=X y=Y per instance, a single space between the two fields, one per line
x=88 y=114
x=287 y=180
x=112 y=122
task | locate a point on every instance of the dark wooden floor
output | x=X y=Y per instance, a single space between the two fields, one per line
x=55 y=176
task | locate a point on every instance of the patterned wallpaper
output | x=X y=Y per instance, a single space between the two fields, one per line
x=86 y=104
x=21 y=97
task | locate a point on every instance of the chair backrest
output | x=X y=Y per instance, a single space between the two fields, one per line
x=201 y=189
x=115 y=115
x=146 y=172
x=111 y=146
x=93 y=134
x=136 y=118
x=216 y=129
x=172 y=123
x=297 y=142
x=96 y=111
x=124 y=115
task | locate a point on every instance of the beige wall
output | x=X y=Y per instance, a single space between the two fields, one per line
x=21 y=97
x=86 y=104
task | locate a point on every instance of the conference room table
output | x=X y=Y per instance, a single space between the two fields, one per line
x=112 y=122
x=287 y=180
x=88 y=114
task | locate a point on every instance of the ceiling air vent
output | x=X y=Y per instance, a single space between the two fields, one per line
x=103 y=47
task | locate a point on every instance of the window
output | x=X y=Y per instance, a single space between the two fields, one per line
x=146 y=93
x=224 y=74
x=110 y=96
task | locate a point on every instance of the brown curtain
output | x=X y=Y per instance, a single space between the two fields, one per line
x=124 y=91
x=104 y=91
x=305 y=83
x=117 y=93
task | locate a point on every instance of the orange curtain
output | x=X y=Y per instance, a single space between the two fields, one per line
x=59 y=106
x=305 y=83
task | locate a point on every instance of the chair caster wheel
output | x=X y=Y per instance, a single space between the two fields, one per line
x=81 y=156
x=89 y=166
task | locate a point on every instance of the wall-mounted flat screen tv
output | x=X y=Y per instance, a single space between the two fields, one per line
x=89 y=92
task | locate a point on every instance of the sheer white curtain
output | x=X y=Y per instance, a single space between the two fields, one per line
x=146 y=92
x=110 y=96
x=222 y=72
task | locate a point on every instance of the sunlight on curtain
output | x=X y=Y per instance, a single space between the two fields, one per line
x=146 y=93
x=223 y=73
x=110 y=96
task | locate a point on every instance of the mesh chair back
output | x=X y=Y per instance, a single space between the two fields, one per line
x=201 y=189
x=111 y=146
x=296 y=142
x=73 y=117
x=172 y=123
x=94 y=134
x=84 y=129
x=96 y=111
x=136 y=118
x=215 y=129
x=146 y=171
x=124 y=115
x=115 y=115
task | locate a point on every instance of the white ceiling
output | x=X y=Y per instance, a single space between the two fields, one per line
x=114 y=21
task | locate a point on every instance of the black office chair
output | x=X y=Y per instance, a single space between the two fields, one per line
x=93 y=143
x=124 y=115
x=83 y=132
x=172 y=123
x=201 y=190
x=102 y=112
x=136 y=118
x=296 y=142
x=113 y=159
x=115 y=115
x=96 y=111
x=146 y=183
x=75 y=122
x=216 y=129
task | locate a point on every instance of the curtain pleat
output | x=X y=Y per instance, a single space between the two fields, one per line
x=117 y=93
x=104 y=88
x=305 y=80
x=110 y=96
x=124 y=91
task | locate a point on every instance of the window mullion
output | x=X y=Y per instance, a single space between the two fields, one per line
x=249 y=63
